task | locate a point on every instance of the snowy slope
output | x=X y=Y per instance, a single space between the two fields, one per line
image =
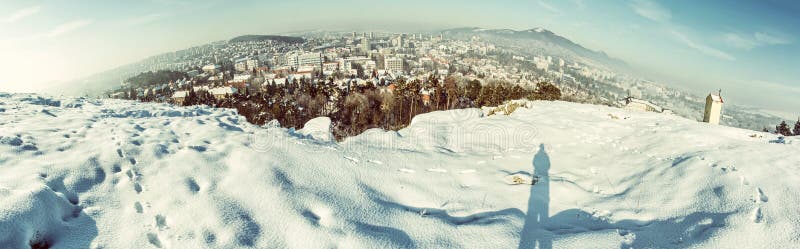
x=83 y=173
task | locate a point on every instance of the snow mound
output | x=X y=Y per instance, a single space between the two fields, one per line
x=319 y=129
x=119 y=174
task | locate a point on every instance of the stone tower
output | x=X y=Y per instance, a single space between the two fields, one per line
x=713 y=108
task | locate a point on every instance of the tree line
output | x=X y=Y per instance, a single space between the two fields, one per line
x=149 y=78
x=356 y=108
x=783 y=129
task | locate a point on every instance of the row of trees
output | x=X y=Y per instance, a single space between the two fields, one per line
x=783 y=129
x=357 y=108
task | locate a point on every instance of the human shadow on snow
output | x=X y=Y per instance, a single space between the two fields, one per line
x=540 y=229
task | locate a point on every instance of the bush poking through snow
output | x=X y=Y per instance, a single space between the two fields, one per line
x=509 y=107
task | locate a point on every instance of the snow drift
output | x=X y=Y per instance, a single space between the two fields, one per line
x=83 y=173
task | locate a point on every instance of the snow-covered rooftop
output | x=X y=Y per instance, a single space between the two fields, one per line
x=180 y=94
x=716 y=98
x=222 y=90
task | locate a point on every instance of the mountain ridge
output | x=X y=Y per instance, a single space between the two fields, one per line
x=279 y=38
x=543 y=35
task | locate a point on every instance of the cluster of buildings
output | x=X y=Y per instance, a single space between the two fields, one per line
x=355 y=58
x=226 y=68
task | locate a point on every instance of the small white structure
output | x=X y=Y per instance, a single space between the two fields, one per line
x=713 y=109
x=179 y=97
x=222 y=92
x=211 y=69
x=241 y=78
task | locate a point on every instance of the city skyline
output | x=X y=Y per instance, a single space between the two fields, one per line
x=707 y=45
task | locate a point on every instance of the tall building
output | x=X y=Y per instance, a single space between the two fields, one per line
x=393 y=64
x=400 y=41
x=713 y=109
x=365 y=45
x=245 y=64
x=252 y=64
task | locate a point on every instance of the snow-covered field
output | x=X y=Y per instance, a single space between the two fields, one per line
x=84 y=173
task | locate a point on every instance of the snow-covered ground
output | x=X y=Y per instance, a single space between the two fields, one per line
x=84 y=173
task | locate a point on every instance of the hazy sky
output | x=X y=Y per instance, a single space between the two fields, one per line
x=748 y=48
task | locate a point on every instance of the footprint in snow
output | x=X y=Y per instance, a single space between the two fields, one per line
x=351 y=159
x=161 y=222
x=760 y=196
x=48 y=113
x=757 y=215
x=198 y=148
x=116 y=168
x=130 y=174
x=138 y=207
x=192 y=185
x=137 y=187
x=153 y=239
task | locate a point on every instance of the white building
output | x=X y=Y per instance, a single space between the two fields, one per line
x=399 y=43
x=365 y=45
x=240 y=65
x=393 y=64
x=241 y=77
x=369 y=66
x=211 y=69
x=179 y=97
x=301 y=59
x=713 y=109
x=221 y=92
x=245 y=64
x=310 y=59
x=330 y=67
x=347 y=63
x=252 y=64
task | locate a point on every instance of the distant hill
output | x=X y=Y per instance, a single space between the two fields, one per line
x=250 y=38
x=536 y=39
x=151 y=78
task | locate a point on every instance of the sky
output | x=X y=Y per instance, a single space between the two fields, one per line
x=749 y=49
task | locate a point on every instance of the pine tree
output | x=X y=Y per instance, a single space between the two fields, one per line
x=191 y=98
x=797 y=128
x=547 y=91
x=474 y=90
x=451 y=89
x=132 y=94
x=783 y=129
